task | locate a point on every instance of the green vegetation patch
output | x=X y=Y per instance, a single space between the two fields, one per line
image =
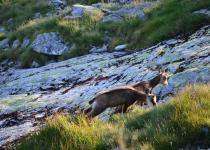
x=170 y=126
x=170 y=18
x=21 y=11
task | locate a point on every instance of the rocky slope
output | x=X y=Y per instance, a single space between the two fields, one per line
x=27 y=96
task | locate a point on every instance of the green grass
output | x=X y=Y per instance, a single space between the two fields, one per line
x=21 y=11
x=170 y=126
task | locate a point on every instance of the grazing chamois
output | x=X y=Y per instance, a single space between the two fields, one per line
x=125 y=96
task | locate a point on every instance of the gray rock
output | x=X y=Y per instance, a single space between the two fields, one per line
x=37 y=15
x=80 y=10
x=10 y=21
x=49 y=14
x=126 y=12
x=173 y=42
x=99 y=50
x=4 y=44
x=35 y=64
x=49 y=43
x=73 y=17
x=190 y=76
x=112 y=18
x=120 y=47
x=16 y=44
x=135 y=11
x=202 y=12
x=173 y=68
x=58 y=4
x=25 y=43
x=2 y=29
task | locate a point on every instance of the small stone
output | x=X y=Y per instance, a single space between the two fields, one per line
x=4 y=44
x=16 y=44
x=99 y=50
x=10 y=21
x=120 y=47
x=58 y=4
x=40 y=116
x=35 y=64
x=205 y=131
x=37 y=15
x=49 y=14
x=25 y=43
x=2 y=29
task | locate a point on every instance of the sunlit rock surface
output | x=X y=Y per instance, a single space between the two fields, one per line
x=27 y=94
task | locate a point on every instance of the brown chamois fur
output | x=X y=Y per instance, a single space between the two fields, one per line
x=125 y=96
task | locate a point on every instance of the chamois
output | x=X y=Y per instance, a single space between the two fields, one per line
x=147 y=86
x=125 y=96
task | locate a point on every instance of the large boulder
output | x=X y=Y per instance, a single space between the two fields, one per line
x=50 y=44
x=4 y=44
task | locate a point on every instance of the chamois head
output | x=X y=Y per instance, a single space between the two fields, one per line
x=163 y=77
x=151 y=100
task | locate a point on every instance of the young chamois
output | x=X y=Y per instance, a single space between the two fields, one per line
x=147 y=86
x=125 y=96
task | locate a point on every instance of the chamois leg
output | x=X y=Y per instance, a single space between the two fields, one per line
x=87 y=110
x=121 y=109
x=125 y=107
x=118 y=109
x=95 y=111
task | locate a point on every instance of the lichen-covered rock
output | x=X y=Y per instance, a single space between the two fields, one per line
x=50 y=44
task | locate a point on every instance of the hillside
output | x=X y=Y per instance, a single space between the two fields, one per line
x=55 y=55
